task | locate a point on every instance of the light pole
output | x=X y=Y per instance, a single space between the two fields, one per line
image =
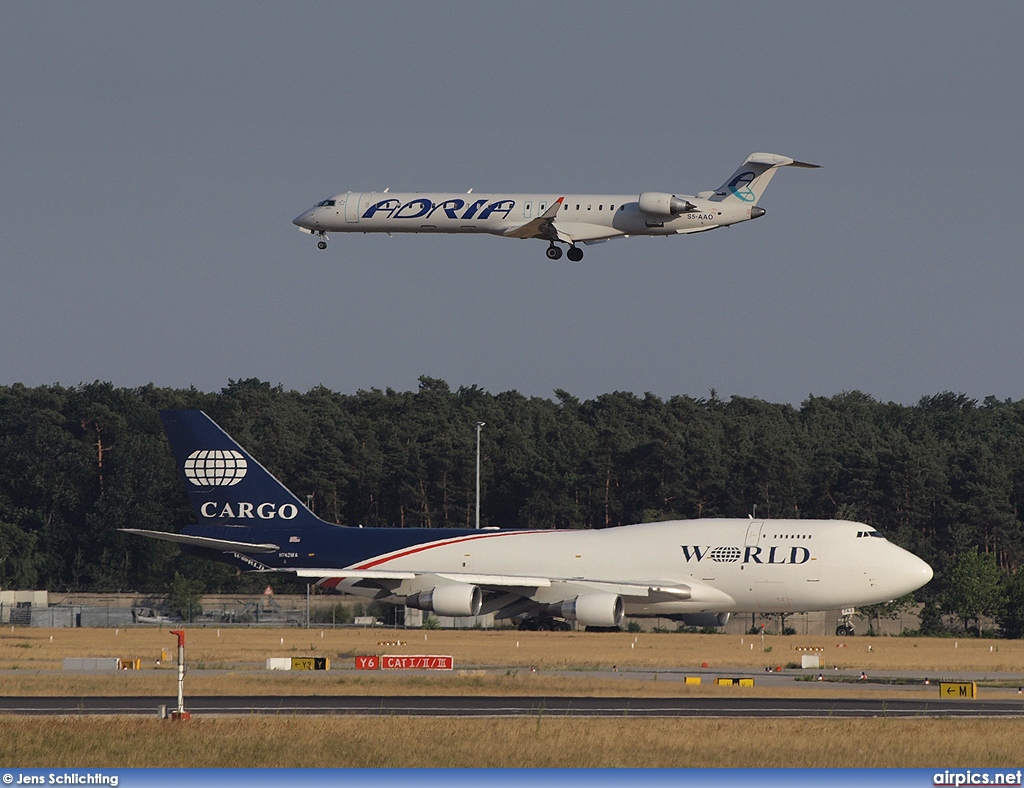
x=479 y=425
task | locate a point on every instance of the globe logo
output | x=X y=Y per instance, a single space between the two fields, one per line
x=725 y=555
x=215 y=468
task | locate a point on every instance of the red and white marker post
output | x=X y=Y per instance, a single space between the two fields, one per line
x=180 y=714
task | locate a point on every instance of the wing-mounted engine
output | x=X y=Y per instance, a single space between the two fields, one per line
x=452 y=600
x=591 y=610
x=664 y=204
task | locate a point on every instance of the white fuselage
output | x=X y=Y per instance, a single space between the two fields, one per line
x=571 y=219
x=581 y=217
x=732 y=565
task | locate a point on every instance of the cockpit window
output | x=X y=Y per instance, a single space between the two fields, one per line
x=325 y=204
x=861 y=534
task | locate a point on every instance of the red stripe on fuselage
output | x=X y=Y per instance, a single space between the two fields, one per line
x=431 y=545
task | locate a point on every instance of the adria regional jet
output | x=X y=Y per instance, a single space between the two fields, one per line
x=570 y=219
x=693 y=571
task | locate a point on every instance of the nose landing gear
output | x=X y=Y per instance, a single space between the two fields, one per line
x=322 y=243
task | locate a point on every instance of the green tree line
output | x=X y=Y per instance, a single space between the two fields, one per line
x=943 y=478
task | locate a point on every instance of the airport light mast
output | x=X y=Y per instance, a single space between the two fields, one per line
x=479 y=425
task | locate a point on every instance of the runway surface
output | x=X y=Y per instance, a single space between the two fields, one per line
x=466 y=706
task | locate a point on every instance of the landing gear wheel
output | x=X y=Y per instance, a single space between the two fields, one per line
x=554 y=252
x=843 y=631
x=321 y=245
x=575 y=254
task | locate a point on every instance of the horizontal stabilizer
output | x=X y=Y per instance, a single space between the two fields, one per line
x=224 y=545
x=775 y=160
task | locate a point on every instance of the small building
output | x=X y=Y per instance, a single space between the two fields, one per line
x=16 y=606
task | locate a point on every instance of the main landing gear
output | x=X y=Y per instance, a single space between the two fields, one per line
x=574 y=253
x=544 y=624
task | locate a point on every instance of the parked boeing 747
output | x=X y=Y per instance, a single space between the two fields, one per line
x=570 y=219
x=694 y=571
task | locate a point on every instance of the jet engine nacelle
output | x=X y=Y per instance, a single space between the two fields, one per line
x=594 y=610
x=664 y=204
x=453 y=600
x=702 y=619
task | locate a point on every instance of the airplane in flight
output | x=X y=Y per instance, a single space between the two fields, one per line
x=570 y=219
x=697 y=572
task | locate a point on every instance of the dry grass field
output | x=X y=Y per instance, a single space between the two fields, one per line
x=538 y=742
x=231 y=661
x=248 y=649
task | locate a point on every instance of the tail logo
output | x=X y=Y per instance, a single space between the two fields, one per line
x=214 y=468
x=740 y=186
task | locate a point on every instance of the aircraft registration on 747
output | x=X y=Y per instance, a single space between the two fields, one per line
x=568 y=218
x=693 y=571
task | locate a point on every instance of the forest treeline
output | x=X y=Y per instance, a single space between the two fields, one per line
x=943 y=478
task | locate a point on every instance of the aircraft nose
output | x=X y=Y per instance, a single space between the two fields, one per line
x=925 y=572
x=304 y=220
x=913 y=573
x=757 y=213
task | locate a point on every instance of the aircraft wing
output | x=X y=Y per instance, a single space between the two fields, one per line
x=580 y=232
x=223 y=545
x=661 y=591
x=526 y=586
x=485 y=581
x=541 y=227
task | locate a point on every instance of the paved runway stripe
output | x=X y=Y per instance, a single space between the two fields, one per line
x=466 y=706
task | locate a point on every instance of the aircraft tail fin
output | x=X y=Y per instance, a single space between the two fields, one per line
x=224 y=482
x=748 y=183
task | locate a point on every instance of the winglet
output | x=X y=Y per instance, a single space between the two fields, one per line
x=550 y=212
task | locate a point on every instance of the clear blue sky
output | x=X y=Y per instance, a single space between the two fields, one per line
x=155 y=155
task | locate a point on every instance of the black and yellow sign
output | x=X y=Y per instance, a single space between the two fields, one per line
x=958 y=689
x=722 y=682
x=311 y=663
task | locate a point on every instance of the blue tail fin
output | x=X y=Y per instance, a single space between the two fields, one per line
x=225 y=484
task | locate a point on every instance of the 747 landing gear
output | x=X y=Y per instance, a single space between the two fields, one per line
x=553 y=252
x=575 y=254
x=544 y=624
